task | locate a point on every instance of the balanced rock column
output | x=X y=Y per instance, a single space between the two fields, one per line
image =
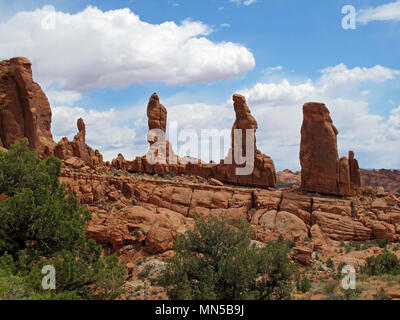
x=157 y=116
x=157 y=120
x=321 y=169
x=263 y=173
x=24 y=108
x=78 y=148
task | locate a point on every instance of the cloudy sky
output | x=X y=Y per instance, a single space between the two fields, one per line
x=101 y=60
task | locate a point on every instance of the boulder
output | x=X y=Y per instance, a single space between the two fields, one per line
x=302 y=255
x=286 y=224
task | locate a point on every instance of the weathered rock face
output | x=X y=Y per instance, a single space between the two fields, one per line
x=138 y=226
x=271 y=213
x=245 y=126
x=318 y=150
x=78 y=148
x=24 y=108
x=321 y=169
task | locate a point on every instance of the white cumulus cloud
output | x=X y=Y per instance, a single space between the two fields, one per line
x=244 y=2
x=116 y=48
x=63 y=97
x=385 y=12
x=104 y=130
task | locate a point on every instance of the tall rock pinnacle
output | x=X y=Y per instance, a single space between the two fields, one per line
x=24 y=108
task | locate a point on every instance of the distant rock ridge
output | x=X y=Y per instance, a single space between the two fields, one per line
x=389 y=179
x=322 y=170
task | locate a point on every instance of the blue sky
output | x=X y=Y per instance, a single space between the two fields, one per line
x=279 y=54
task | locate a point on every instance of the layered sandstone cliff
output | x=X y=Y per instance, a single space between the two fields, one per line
x=272 y=213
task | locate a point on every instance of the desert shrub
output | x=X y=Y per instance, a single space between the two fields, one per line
x=369 y=244
x=40 y=225
x=216 y=261
x=352 y=294
x=303 y=284
x=169 y=176
x=329 y=264
x=330 y=288
x=381 y=295
x=338 y=274
x=383 y=243
x=385 y=263
x=145 y=273
x=356 y=245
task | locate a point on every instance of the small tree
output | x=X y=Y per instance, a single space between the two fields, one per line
x=385 y=263
x=40 y=225
x=330 y=264
x=216 y=261
x=303 y=284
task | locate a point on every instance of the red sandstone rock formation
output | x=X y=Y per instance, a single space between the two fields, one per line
x=244 y=121
x=262 y=172
x=271 y=213
x=119 y=163
x=24 y=108
x=321 y=169
x=155 y=230
x=355 y=176
x=78 y=148
x=81 y=135
x=160 y=151
x=156 y=114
